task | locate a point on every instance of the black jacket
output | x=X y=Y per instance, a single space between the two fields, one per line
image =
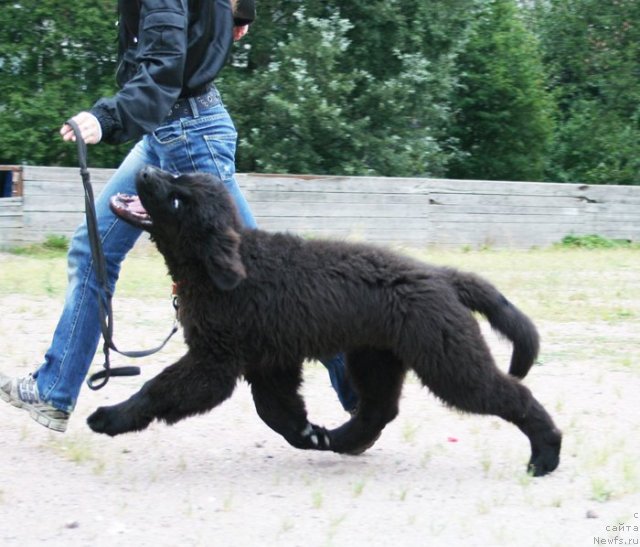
x=168 y=49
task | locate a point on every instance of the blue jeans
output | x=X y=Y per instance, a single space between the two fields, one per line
x=205 y=142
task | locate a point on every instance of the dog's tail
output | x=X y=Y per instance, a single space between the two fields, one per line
x=481 y=296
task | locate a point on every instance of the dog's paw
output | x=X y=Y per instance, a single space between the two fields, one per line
x=316 y=437
x=546 y=456
x=363 y=448
x=106 y=420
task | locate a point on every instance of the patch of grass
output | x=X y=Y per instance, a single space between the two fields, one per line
x=409 y=431
x=630 y=362
x=483 y=507
x=334 y=525
x=78 y=450
x=358 y=488
x=556 y=501
x=563 y=284
x=617 y=314
x=485 y=462
x=54 y=245
x=630 y=474
x=525 y=480
x=599 y=457
x=594 y=241
x=317 y=499
x=426 y=458
x=40 y=272
x=182 y=463
x=601 y=490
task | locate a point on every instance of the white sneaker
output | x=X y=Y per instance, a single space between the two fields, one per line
x=23 y=393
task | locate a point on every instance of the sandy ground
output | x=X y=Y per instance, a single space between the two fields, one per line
x=435 y=477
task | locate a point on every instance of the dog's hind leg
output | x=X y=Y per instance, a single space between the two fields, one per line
x=486 y=390
x=377 y=376
x=188 y=387
x=282 y=408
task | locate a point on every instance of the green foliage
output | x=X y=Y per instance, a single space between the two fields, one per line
x=367 y=87
x=503 y=119
x=596 y=145
x=56 y=58
x=290 y=111
x=592 y=55
x=330 y=88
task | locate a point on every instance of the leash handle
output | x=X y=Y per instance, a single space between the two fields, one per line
x=106 y=373
x=82 y=146
x=104 y=294
x=100 y=268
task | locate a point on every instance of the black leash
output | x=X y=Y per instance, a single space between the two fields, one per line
x=104 y=293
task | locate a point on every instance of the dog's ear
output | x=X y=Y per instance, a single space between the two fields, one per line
x=223 y=262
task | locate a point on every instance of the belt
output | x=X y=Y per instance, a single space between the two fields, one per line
x=188 y=107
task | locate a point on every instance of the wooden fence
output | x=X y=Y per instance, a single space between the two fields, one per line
x=405 y=211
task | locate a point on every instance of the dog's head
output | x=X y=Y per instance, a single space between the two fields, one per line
x=192 y=220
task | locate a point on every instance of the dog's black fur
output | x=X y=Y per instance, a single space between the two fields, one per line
x=255 y=305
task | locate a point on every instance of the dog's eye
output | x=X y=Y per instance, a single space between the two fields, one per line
x=177 y=203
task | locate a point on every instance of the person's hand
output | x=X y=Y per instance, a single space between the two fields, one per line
x=239 y=32
x=89 y=128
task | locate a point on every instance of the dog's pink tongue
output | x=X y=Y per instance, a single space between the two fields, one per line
x=135 y=206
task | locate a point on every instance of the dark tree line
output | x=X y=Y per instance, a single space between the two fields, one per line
x=484 y=89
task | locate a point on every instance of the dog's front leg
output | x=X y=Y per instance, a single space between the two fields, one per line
x=281 y=407
x=190 y=386
x=134 y=414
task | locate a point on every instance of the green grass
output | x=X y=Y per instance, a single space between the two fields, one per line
x=558 y=283
x=41 y=272
x=563 y=284
x=53 y=246
x=79 y=449
x=594 y=241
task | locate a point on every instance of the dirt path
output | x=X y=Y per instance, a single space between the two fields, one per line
x=435 y=477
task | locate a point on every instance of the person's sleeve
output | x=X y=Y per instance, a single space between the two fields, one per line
x=146 y=99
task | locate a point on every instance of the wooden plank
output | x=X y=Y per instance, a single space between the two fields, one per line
x=53 y=204
x=11 y=219
x=418 y=211
x=356 y=212
x=405 y=225
x=329 y=197
x=418 y=200
x=46 y=188
x=10 y=222
x=53 y=223
x=10 y=203
x=64 y=174
x=411 y=185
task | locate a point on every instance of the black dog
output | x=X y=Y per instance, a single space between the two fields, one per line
x=256 y=304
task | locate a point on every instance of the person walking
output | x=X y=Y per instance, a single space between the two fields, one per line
x=170 y=53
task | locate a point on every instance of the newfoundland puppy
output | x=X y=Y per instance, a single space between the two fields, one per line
x=255 y=304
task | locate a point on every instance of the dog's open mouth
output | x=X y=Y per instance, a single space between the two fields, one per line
x=130 y=209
